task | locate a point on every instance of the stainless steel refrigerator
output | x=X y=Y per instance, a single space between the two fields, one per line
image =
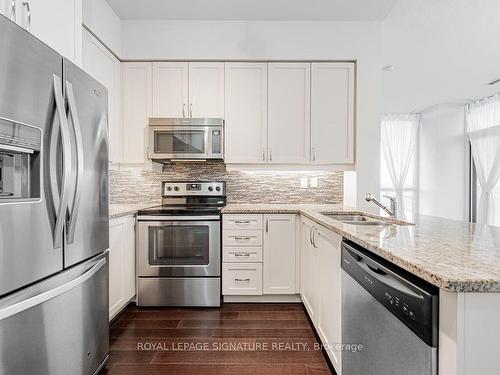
x=53 y=211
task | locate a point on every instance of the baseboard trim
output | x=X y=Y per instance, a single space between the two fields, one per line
x=278 y=298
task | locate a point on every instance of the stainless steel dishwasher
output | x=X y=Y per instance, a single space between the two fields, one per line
x=391 y=313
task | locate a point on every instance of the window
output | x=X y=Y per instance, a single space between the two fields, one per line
x=398 y=161
x=483 y=130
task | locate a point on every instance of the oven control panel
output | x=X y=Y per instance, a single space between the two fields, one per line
x=183 y=188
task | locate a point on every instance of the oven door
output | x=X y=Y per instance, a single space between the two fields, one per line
x=179 y=142
x=181 y=246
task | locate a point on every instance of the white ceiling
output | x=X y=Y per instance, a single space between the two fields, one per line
x=443 y=52
x=253 y=10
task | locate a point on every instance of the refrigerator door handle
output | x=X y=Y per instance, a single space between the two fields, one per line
x=73 y=211
x=50 y=294
x=66 y=172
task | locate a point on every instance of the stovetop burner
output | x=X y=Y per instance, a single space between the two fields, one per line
x=189 y=198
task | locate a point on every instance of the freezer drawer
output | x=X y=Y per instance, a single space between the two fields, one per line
x=59 y=326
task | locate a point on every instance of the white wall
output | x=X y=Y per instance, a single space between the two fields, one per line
x=104 y=23
x=235 y=40
x=442 y=163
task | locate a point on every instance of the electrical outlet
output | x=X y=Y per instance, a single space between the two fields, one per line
x=313 y=182
x=303 y=182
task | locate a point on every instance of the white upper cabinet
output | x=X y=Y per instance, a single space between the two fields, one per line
x=137 y=108
x=170 y=89
x=182 y=89
x=246 y=112
x=332 y=113
x=101 y=64
x=58 y=23
x=289 y=113
x=206 y=89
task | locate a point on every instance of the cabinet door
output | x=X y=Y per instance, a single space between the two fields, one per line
x=288 y=113
x=329 y=323
x=170 y=89
x=246 y=113
x=206 y=89
x=100 y=63
x=309 y=272
x=128 y=271
x=332 y=113
x=279 y=254
x=136 y=111
x=6 y=8
x=116 y=261
x=55 y=23
x=121 y=263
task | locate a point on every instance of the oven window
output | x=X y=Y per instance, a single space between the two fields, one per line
x=179 y=245
x=180 y=142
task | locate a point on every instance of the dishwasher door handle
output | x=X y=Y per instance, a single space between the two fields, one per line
x=382 y=276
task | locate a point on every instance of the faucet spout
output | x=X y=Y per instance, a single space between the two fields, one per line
x=390 y=211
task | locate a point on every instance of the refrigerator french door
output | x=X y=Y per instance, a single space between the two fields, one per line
x=53 y=211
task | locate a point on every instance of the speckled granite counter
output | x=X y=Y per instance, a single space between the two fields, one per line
x=453 y=255
x=119 y=210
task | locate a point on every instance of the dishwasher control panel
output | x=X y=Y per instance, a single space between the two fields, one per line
x=413 y=301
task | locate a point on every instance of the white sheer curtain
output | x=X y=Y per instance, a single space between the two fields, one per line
x=399 y=138
x=483 y=128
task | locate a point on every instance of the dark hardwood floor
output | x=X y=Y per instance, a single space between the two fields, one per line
x=251 y=339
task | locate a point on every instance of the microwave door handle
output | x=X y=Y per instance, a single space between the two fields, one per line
x=66 y=171
x=73 y=211
x=208 y=143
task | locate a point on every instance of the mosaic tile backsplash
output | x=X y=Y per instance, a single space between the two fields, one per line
x=138 y=186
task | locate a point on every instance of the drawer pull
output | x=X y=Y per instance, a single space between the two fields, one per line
x=242 y=221
x=241 y=254
x=242 y=280
x=242 y=238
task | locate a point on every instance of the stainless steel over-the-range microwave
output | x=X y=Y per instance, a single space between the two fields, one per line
x=186 y=138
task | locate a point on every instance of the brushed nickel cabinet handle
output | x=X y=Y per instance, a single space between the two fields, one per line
x=242 y=280
x=13 y=10
x=241 y=254
x=183 y=109
x=28 y=11
x=267 y=225
x=242 y=238
x=263 y=154
x=242 y=221
x=191 y=110
x=313 y=154
x=270 y=154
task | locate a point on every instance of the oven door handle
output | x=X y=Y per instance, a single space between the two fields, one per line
x=166 y=219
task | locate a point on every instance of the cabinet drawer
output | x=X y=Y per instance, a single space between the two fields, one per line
x=242 y=254
x=242 y=237
x=242 y=222
x=242 y=279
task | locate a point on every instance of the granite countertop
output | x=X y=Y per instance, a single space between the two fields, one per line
x=119 y=210
x=453 y=255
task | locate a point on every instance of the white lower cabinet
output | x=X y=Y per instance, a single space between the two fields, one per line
x=121 y=263
x=259 y=255
x=321 y=285
x=242 y=279
x=279 y=254
x=329 y=308
x=308 y=270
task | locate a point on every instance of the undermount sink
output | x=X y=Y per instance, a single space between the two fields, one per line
x=356 y=219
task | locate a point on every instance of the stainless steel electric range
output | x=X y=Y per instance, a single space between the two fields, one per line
x=179 y=246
